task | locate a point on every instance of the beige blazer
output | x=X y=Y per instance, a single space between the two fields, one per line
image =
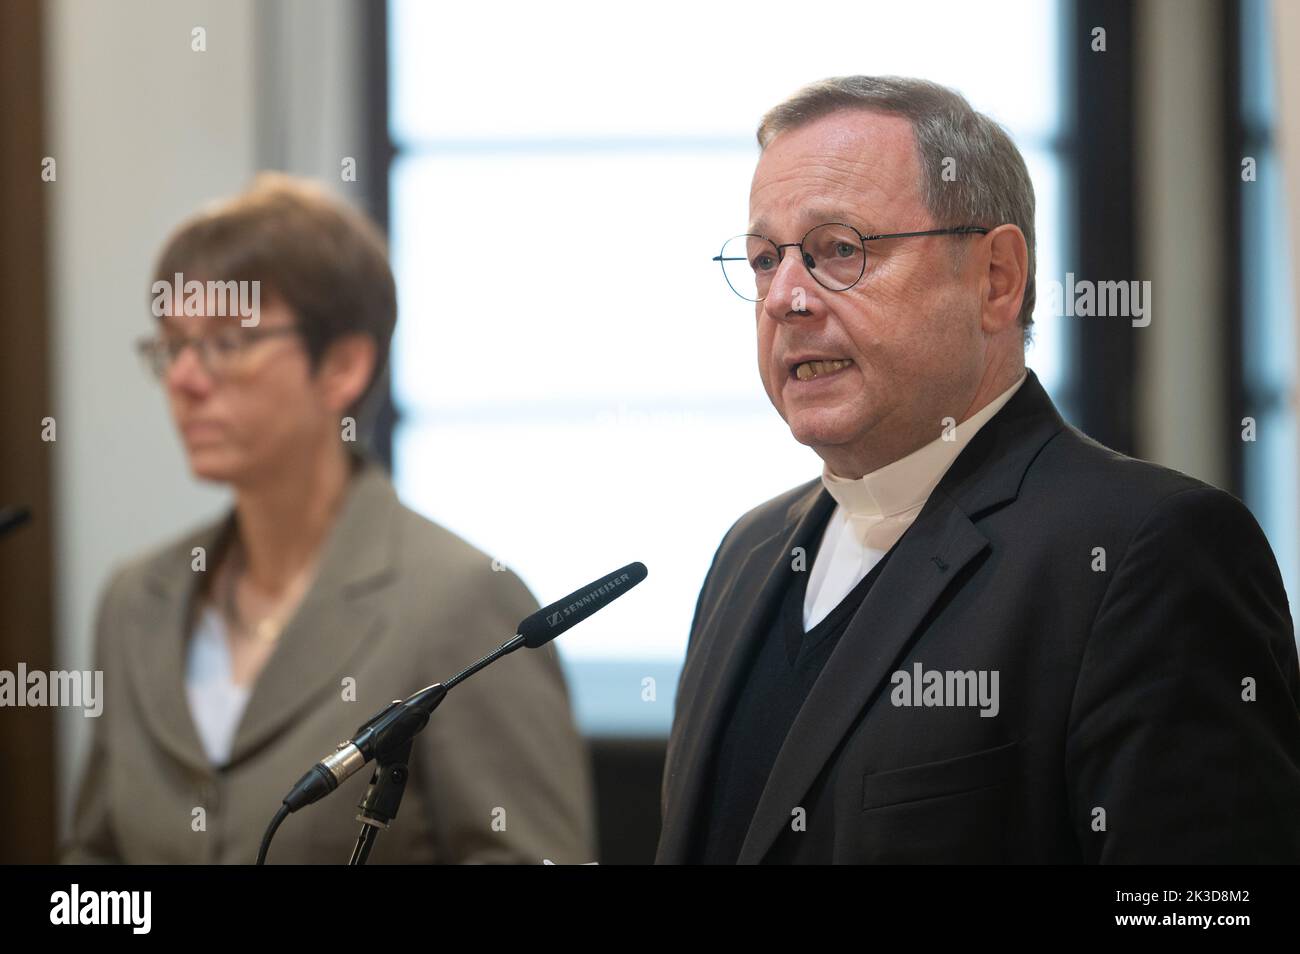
x=500 y=774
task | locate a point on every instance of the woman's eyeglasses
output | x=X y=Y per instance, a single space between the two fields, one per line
x=219 y=352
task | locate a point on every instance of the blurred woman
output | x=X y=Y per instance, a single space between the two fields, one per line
x=240 y=653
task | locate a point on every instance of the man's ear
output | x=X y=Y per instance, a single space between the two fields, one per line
x=1008 y=276
x=345 y=370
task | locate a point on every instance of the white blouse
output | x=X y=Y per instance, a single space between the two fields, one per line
x=216 y=702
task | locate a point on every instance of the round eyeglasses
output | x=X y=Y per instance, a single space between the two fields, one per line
x=835 y=255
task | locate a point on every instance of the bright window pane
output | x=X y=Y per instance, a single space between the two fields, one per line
x=1270 y=464
x=515 y=70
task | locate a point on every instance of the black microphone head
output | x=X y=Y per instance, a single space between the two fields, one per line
x=550 y=621
x=14 y=517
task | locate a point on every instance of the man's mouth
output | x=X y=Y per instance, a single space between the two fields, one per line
x=807 y=370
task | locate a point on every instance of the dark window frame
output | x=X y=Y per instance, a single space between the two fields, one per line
x=1102 y=356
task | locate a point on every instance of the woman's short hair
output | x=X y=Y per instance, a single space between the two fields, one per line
x=315 y=253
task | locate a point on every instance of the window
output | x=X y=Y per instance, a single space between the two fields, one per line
x=1269 y=463
x=564 y=408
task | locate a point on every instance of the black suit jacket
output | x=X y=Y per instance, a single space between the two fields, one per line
x=1149 y=694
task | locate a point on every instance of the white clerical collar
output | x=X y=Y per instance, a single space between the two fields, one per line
x=906 y=483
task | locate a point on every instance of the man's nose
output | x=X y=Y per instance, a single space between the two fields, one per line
x=793 y=292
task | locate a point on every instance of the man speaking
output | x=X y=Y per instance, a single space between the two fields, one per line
x=980 y=636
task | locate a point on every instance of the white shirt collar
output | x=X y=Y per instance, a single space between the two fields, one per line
x=906 y=483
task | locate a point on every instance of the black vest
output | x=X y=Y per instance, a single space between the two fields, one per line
x=781 y=670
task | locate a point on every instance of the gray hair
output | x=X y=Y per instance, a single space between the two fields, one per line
x=992 y=186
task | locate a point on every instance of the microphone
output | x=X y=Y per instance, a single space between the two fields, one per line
x=13 y=517
x=402 y=719
x=550 y=621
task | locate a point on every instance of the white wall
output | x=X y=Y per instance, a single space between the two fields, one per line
x=1181 y=226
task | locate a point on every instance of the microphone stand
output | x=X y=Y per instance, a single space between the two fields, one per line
x=397 y=726
x=379 y=806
